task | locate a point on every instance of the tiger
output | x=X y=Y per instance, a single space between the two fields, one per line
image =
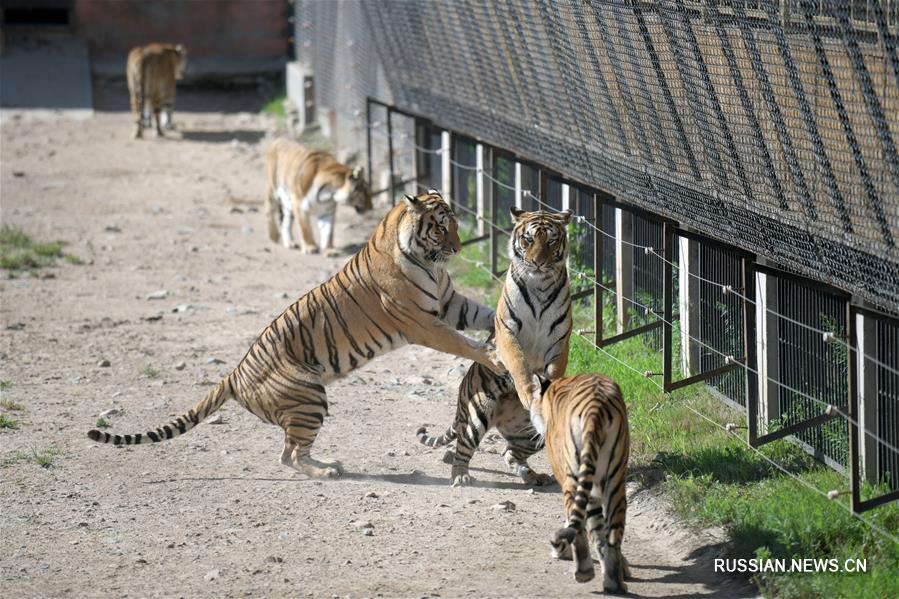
x=394 y=291
x=304 y=184
x=533 y=325
x=487 y=400
x=583 y=420
x=533 y=317
x=151 y=72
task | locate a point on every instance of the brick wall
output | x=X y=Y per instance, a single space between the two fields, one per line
x=218 y=33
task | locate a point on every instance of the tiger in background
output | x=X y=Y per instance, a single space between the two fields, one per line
x=533 y=325
x=305 y=184
x=394 y=291
x=151 y=72
x=583 y=421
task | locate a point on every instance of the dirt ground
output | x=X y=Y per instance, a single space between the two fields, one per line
x=213 y=513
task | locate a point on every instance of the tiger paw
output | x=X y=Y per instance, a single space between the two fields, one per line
x=462 y=480
x=537 y=480
x=332 y=253
x=310 y=249
x=493 y=360
x=561 y=543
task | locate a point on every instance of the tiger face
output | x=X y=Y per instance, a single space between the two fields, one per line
x=539 y=239
x=433 y=232
x=360 y=193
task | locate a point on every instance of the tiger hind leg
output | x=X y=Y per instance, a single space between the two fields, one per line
x=292 y=397
x=608 y=546
x=470 y=430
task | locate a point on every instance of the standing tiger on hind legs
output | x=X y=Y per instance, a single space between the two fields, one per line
x=306 y=185
x=394 y=291
x=151 y=72
x=533 y=326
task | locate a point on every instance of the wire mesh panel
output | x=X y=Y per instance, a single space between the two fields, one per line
x=813 y=373
x=430 y=165
x=465 y=183
x=504 y=192
x=767 y=125
x=647 y=278
x=721 y=320
x=887 y=472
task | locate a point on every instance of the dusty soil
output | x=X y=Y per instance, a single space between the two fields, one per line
x=213 y=512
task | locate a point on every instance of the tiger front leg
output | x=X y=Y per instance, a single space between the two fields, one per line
x=438 y=335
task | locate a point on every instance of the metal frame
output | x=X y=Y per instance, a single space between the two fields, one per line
x=670 y=231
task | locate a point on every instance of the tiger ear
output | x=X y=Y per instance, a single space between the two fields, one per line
x=413 y=203
x=516 y=213
x=358 y=172
x=564 y=216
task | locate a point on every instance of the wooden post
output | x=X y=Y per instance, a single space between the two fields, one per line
x=767 y=326
x=866 y=344
x=519 y=192
x=688 y=305
x=624 y=267
x=392 y=185
x=446 y=170
x=483 y=189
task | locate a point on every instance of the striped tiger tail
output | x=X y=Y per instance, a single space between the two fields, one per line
x=209 y=404
x=439 y=441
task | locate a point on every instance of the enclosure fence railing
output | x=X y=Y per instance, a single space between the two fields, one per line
x=796 y=355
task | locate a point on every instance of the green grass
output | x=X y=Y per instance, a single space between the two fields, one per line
x=149 y=372
x=7 y=422
x=275 y=107
x=713 y=478
x=43 y=458
x=4 y=385
x=19 y=252
x=102 y=423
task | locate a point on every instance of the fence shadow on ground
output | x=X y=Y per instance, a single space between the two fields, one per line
x=249 y=136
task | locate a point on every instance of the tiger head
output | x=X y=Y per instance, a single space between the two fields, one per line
x=180 y=53
x=359 y=196
x=539 y=240
x=430 y=230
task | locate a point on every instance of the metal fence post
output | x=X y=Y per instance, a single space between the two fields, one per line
x=482 y=189
x=767 y=348
x=519 y=192
x=852 y=409
x=749 y=347
x=624 y=267
x=597 y=271
x=391 y=185
x=446 y=167
x=667 y=301
x=689 y=305
x=866 y=344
